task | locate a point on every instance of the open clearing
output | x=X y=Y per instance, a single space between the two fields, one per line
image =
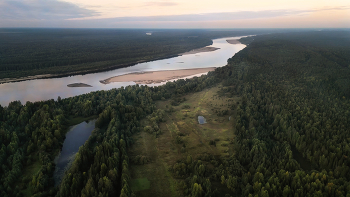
x=183 y=122
x=182 y=135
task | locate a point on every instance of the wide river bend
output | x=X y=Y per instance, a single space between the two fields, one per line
x=45 y=89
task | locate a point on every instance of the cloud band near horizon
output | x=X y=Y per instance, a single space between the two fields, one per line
x=15 y=13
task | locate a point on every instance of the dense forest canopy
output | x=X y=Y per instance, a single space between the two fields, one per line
x=28 y=52
x=291 y=127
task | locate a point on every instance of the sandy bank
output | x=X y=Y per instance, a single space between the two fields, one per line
x=234 y=41
x=156 y=76
x=200 y=50
x=9 y=80
x=79 y=85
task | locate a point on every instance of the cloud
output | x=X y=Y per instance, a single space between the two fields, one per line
x=227 y=15
x=57 y=16
x=160 y=3
x=334 y=8
x=42 y=10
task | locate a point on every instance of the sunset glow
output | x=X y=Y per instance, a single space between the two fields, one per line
x=176 y=14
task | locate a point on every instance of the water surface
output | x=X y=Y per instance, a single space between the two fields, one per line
x=45 y=89
x=75 y=137
x=201 y=120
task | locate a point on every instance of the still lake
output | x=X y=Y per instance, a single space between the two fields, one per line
x=45 y=89
x=75 y=137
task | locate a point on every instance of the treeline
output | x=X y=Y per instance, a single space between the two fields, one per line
x=28 y=52
x=59 y=51
x=29 y=134
x=294 y=102
x=292 y=128
x=101 y=167
x=32 y=134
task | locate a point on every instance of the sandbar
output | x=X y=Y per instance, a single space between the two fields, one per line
x=233 y=41
x=156 y=76
x=200 y=50
x=73 y=85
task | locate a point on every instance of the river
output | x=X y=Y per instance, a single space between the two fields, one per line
x=75 y=137
x=45 y=89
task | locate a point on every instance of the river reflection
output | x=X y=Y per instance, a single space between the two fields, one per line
x=44 y=89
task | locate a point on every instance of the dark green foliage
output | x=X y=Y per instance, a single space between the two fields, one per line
x=55 y=51
x=34 y=133
x=292 y=128
x=294 y=111
x=65 y=52
x=291 y=98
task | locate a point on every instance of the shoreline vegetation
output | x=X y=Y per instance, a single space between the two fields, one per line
x=116 y=49
x=233 y=41
x=83 y=72
x=156 y=76
x=109 y=68
x=78 y=85
x=97 y=70
x=48 y=76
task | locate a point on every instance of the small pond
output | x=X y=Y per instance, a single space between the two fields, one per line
x=201 y=120
x=75 y=137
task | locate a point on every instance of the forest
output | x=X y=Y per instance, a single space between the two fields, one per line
x=291 y=128
x=62 y=52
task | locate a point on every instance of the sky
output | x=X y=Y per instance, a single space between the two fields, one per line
x=175 y=13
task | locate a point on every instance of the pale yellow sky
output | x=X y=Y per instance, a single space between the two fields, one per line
x=127 y=8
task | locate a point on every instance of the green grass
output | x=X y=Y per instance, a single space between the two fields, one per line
x=29 y=172
x=79 y=119
x=140 y=184
x=32 y=169
x=183 y=120
x=155 y=179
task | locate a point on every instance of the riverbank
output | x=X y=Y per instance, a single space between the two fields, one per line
x=109 y=65
x=156 y=76
x=82 y=72
x=200 y=50
x=107 y=68
x=233 y=41
x=54 y=86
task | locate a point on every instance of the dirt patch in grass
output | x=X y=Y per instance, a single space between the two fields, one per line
x=139 y=184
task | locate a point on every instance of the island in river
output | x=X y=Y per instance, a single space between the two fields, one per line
x=72 y=85
x=233 y=41
x=200 y=50
x=156 y=76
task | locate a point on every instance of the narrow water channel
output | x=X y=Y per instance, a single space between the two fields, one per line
x=75 y=137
